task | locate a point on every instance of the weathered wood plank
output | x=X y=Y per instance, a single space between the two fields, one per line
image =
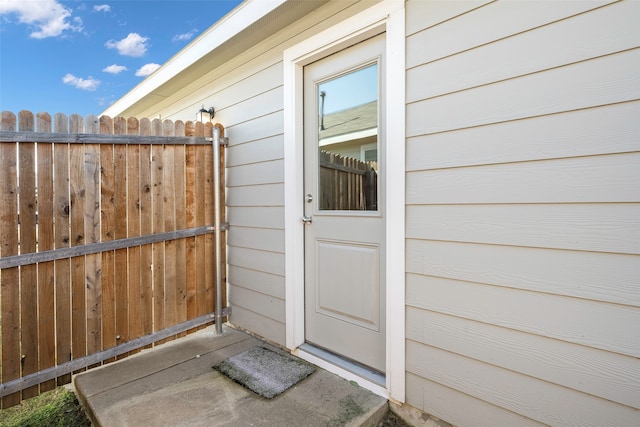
x=78 y=279
x=146 y=228
x=60 y=124
x=107 y=233
x=9 y=278
x=180 y=221
x=91 y=124
x=200 y=261
x=76 y=124
x=190 y=221
x=43 y=123
x=145 y=128
x=209 y=271
x=28 y=240
x=7 y=123
x=170 y=309
x=46 y=271
x=133 y=230
x=157 y=201
x=120 y=207
x=62 y=238
x=92 y=232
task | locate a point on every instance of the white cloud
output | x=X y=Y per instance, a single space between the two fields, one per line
x=132 y=45
x=185 y=36
x=89 y=84
x=147 y=69
x=114 y=69
x=48 y=17
x=102 y=8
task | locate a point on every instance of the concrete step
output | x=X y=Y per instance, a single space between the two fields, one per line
x=175 y=385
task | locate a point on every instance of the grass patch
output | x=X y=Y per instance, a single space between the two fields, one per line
x=55 y=408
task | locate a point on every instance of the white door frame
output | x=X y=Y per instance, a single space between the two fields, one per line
x=386 y=16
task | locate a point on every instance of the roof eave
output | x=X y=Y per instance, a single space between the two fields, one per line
x=234 y=23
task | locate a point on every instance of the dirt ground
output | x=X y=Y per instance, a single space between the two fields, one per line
x=391 y=420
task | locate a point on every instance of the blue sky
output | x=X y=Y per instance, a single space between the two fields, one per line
x=350 y=90
x=81 y=56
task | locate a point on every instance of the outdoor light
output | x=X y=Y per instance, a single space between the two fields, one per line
x=210 y=112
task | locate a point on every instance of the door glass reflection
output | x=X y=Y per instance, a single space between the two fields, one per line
x=348 y=141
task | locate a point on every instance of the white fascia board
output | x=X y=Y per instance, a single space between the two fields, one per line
x=232 y=24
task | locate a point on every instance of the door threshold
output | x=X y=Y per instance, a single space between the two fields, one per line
x=367 y=378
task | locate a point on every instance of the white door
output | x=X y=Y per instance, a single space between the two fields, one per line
x=343 y=203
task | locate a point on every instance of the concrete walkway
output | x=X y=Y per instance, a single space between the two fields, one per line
x=174 y=385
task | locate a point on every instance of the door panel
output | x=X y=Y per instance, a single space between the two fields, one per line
x=344 y=186
x=358 y=265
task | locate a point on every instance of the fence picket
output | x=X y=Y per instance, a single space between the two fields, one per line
x=120 y=208
x=146 y=228
x=8 y=121
x=78 y=285
x=9 y=277
x=133 y=230
x=108 y=232
x=157 y=201
x=46 y=283
x=61 y=240
x=209 y=270
x=93 y=262
x=180 y=223
x=28 y=273
x=170 y=308
x=191 y=196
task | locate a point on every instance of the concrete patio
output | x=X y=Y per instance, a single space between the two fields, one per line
x=174 y=385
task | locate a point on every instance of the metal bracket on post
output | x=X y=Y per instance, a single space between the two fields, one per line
x=223 y=142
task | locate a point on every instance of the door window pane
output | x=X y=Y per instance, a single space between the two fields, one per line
x=347 y=121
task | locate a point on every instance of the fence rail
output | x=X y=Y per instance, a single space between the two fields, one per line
x=105 y=237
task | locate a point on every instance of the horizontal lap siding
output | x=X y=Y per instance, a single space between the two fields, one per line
x=255 y=166
x=523 y=210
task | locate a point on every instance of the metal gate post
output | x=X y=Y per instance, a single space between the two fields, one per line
x=217 y=227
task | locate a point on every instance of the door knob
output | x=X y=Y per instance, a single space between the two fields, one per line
x=306 y=219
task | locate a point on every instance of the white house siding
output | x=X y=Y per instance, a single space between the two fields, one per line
x=247 y=94
x=523 y=212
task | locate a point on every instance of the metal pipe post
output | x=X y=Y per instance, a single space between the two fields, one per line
x=217 y=228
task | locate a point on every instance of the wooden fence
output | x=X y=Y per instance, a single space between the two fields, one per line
x=105 y=238
x=347 y=183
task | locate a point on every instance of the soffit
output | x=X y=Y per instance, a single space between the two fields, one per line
x=285 y=14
